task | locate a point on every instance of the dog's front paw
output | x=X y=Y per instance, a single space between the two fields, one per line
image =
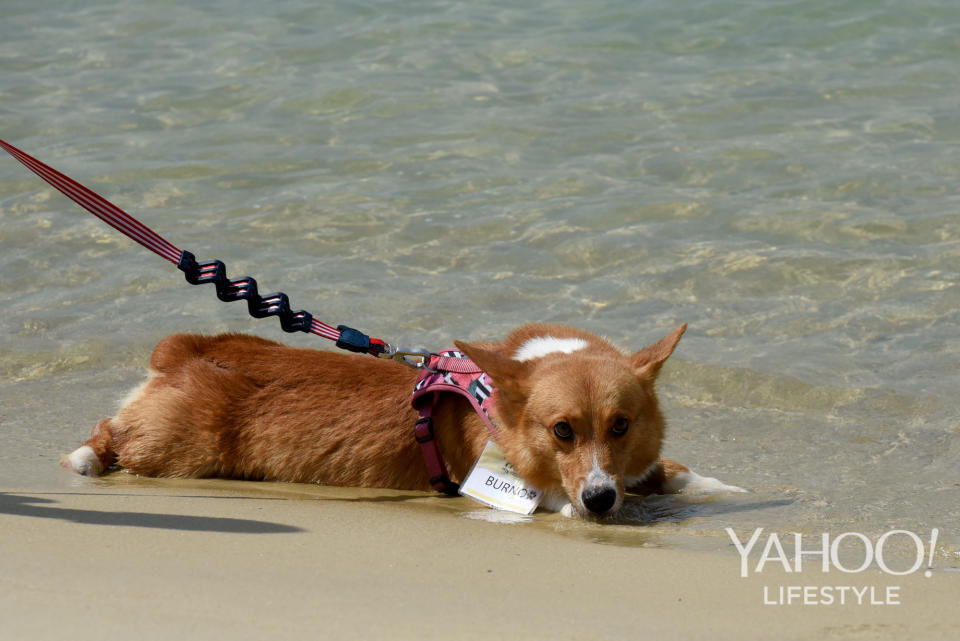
x=692 y=483
x=556 y=500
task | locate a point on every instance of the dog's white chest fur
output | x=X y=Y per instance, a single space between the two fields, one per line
x=543 y=345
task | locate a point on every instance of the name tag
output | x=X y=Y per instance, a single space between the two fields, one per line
x=493 y=482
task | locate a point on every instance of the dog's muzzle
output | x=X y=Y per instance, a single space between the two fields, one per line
x=599 y=499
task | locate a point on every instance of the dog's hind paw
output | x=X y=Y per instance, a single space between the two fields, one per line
x=83 y=460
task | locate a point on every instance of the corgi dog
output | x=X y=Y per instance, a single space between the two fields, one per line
x=576 y=417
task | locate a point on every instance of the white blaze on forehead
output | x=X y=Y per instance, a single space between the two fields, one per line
x=543 y=345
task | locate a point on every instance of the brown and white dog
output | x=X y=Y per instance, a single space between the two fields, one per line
x=578 y=418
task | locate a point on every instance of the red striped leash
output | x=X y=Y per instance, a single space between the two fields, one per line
x=214 y=271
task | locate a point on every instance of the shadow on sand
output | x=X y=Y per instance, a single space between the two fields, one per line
x=44 y=508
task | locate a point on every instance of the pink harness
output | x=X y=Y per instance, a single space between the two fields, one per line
x=448 y=371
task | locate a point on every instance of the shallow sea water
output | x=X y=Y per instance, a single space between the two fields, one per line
x=780 y=175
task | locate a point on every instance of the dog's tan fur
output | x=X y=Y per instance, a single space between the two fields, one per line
x=237 y=406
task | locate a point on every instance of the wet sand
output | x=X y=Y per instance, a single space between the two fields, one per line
x=161 y=560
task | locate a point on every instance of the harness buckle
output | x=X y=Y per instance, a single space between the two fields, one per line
x=423 y=434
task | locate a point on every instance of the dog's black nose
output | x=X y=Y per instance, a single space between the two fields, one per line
x=599 y=500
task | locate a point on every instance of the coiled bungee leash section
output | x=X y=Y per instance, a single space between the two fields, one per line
x=214 y=271
x=275 y=304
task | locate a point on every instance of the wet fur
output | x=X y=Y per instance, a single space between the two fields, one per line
x=237 y=406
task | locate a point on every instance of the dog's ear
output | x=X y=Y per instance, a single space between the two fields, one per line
x=648 y=361
x=508 y=375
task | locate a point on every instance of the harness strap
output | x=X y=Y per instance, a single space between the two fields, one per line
x=423 y=432
x=448 y=372
x=454 y=361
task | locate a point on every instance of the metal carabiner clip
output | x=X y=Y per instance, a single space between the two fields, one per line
x=412 y=357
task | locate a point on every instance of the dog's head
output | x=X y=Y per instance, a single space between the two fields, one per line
x=575 y=411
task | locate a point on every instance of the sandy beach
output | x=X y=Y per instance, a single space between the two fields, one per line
x=781 y=176
x=151 y=559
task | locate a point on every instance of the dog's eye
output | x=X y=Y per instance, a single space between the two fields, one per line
x=620 y=427
x=563 y=431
